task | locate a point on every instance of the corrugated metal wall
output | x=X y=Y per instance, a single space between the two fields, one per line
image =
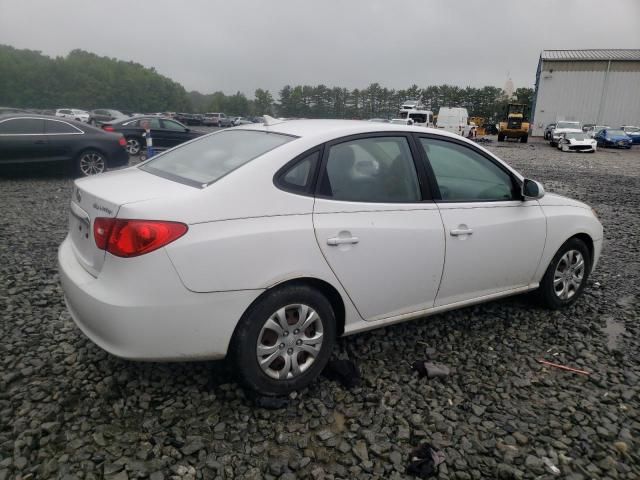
x=574 y=91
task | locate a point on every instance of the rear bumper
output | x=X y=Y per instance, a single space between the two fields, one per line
x=144 y=312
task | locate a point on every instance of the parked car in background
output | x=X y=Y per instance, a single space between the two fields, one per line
x=225 y=122
x=453 y=120
x=576 y=142
x=26 y=138
x=165 y=132
x=591 y=130
x=188 y=118
x=264 y=243
x=242 y=121
x=564 y=127
x=217 y=120
x=74 y=114
x=632 y=132
x=101 y=116
x=613 y=137
x=547 y=131
x=401 y=121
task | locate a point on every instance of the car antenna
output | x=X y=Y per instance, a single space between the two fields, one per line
x=268 y=121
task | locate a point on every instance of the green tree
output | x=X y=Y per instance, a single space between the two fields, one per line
x=263 y=102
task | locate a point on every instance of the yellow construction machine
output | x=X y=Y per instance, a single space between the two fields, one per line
x=516 y=123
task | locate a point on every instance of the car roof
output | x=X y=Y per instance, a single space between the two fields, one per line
x=81 y=125
x=338 y=128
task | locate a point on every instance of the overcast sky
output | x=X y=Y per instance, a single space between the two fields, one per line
x=210 y=45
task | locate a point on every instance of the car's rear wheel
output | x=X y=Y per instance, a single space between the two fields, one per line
x=500 y=137
x=90 y=162
x=133 y=145
x=566 y=275
x=524 y=139
x=284 y=340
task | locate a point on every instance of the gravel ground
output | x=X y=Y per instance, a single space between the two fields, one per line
x=68 y=410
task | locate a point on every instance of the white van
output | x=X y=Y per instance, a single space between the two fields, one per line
x=416 y=111
x=453 y=120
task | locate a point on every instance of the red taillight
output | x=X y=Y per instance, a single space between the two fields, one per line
x=122 y=141
x=130 y=238
x=108 y=128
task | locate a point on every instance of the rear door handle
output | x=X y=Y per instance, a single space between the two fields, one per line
x=342 y=240
x=461 y=231
x=40 y=142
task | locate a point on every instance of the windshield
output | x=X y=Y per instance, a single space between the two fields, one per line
x=576 y=136
x=568 y=125
x=615 y=132
x=206 y=160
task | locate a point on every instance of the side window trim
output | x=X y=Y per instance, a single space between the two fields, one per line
x=423 y=182
x=432 y=178
x=311 y=186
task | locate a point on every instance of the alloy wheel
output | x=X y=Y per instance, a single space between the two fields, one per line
x=92 y=163
x=133 y=146
x=569 y=274
x=289 y=341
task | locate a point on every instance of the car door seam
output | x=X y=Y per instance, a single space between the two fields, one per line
x=444 y=257
x=315 y=235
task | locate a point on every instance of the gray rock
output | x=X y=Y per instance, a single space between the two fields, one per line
x=534 y=464
x=360 y=450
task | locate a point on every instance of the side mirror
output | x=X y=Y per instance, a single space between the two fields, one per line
x=532 y=190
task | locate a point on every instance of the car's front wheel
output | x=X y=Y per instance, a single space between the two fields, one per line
x=133 y=145
x=566 y=275
x=90 y=162
x=284 y=340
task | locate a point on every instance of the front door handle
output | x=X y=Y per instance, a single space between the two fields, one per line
x=342 y=241
x=40 y=142
x=455 y=232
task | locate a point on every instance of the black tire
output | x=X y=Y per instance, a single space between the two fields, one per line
x=546 y=292
x=134 y=145
x=500 y=137
x=524 y=139
x=248 y=333
x=90 y=162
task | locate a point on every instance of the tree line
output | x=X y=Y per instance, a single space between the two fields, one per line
x=29 y=79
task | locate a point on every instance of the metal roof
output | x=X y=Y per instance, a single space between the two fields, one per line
x=584 y=55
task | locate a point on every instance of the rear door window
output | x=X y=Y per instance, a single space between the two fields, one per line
x=173 y=126
x=51 y=126
x=377 y=169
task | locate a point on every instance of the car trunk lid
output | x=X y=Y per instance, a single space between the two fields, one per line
x=102 y=196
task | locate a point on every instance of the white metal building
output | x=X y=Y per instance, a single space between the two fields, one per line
x=592 y=86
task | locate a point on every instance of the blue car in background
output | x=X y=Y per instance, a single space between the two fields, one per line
x=633 y=132
x=613 y=137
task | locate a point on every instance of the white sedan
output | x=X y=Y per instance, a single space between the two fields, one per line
x=266 y=242
x=576 y=142
x=74 y=114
